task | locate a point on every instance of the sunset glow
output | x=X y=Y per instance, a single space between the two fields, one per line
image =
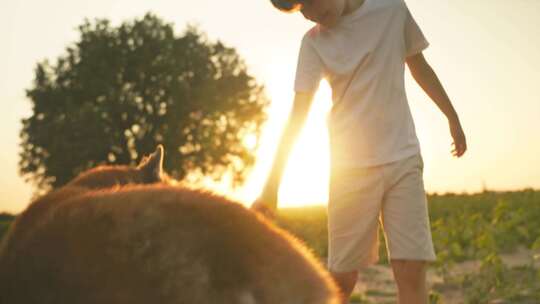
x=305 y=180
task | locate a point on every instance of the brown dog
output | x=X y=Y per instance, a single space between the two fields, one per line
x=126 y=235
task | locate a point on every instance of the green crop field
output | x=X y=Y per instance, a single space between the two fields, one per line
x=463 y=226
x=483 y=227
x=486 y=228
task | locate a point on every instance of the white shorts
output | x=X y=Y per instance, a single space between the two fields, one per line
x=392 y=194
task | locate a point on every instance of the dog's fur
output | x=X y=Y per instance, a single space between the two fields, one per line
x=126 y=235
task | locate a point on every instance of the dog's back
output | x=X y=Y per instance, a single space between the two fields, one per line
x=143 y=243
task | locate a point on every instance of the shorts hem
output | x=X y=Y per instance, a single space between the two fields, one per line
x=356 y=267
x=413 y=258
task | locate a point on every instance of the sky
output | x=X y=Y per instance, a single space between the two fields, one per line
x=486 y=53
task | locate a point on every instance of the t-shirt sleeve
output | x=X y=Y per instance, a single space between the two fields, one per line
x=415 y=41
x=309 y=70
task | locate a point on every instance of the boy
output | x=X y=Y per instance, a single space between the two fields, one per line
x=361 y=47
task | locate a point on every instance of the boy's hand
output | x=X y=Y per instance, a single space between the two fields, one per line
x=460 y=143
x=265 y=206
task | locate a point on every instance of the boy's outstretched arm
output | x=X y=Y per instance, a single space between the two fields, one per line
x=267 y=202
x=428 y=80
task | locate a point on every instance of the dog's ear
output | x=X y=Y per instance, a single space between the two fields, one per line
x=152 y=166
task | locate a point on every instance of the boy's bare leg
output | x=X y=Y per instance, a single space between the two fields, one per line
x=346 y=282
x=411 y=281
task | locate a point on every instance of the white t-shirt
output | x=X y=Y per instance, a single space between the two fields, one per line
x=370 y=122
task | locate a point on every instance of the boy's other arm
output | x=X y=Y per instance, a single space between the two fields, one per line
x=297 y=117
x=428 y=80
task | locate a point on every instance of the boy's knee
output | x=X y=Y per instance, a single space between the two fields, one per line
x=409 y=265
x=346 y=281
x=409 y=274
x=345 y=276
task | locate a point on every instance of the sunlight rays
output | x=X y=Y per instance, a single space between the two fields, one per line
x=305 y=180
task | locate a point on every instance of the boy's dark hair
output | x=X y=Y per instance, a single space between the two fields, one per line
x=288 y=6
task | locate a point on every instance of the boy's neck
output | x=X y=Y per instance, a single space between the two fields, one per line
x=351 y=6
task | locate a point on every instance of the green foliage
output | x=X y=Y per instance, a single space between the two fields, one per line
x=357 y=298
x=5 y=221
x=120 y=91
x=309 y=225
x=496 y=281
x=476 y=226
x=464 y=227
x=434 y=297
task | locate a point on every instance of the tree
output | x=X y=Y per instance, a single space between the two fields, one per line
x=120 y=91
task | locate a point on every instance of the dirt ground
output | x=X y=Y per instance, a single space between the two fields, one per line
x=376 y=283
